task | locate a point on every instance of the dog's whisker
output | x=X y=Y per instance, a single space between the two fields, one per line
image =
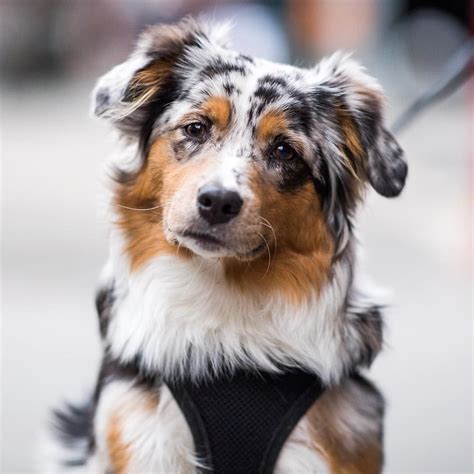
x=139 y=208
x=269 y=255
x=267 y=223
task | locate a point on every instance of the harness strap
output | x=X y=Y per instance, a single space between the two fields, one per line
x=240 y=422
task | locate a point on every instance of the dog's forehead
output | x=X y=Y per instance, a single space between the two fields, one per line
x=251 y=85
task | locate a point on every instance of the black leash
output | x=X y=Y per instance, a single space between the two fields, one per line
x=454 y=74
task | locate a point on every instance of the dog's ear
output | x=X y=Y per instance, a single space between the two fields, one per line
x=152 y=72
x=356 y=102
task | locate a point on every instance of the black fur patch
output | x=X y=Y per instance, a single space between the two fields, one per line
x=73 y=426
x=372 y=392
x=267 y=93
x=102 y=101
x=166 y=95
x=246 y=58
x=229 y=88
x=113 y=369
x=104 y=301
x=220 y=67
x=272 y=81
x=370 y=326
x=292 y=173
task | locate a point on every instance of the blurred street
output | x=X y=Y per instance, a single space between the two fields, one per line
x=54 y=242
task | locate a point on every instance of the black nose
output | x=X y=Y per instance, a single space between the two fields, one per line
x=218 y=205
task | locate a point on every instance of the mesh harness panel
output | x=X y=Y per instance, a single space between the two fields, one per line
x=240 y=422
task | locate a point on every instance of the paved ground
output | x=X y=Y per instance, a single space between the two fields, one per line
x=54 y=245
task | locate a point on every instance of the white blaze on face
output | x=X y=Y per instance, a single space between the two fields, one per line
x=231 y=173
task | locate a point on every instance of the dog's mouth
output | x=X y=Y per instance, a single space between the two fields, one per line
x=211 y=244
x=204 y=240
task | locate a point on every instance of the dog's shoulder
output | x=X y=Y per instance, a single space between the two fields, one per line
x=346 y=425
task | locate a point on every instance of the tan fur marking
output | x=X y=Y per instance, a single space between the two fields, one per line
x=118 y=450
x=147 y=82
x=153 y=187
x=150 y=401
x=218 y=109
x=132 y=403
x=354 y=145
x=343 y=457
x=271 y=124
x=170 y=40
x=350 y=133
x=353 y=155
x=302 y=255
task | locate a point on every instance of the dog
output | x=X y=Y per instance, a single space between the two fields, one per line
x=234 y=188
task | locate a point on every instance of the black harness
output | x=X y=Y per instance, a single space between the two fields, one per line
x=240 y=422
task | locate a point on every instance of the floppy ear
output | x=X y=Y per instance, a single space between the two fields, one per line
x=358 y=103
x=152 y=75
x=387 y=168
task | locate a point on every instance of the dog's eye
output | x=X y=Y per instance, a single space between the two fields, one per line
x=196 y=130
x=283 y=152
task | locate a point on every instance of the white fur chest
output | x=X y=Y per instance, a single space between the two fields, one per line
x=178 y=316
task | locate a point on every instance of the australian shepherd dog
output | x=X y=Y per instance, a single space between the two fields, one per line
x=233 y=192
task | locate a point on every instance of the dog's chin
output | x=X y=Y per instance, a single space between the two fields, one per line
x=208 y=246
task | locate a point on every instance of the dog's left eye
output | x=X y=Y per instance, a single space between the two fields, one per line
x=196 y=130
x=283 y=152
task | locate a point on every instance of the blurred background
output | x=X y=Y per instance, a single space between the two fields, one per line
x=54 y=239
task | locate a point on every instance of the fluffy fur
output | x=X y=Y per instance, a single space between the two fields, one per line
x=275 y=286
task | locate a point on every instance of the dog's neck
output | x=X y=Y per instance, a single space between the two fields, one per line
x=180 y=317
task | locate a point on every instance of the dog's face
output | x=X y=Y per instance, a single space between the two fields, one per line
x=228 y=178
x=239 y=156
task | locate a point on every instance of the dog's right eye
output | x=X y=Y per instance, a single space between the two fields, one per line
x=196 y=130
x=283 y=152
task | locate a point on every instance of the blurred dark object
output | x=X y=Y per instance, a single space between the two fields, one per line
x=434 y=30
x=455 y=73
x=422 y=37
x=41 y=38
x=26 y=37
x=459 y=9
x=56 y=38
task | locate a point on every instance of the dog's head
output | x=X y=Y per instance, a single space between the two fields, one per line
x=236 y=155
